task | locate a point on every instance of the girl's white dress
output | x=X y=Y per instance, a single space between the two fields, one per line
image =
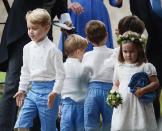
x=133 y=114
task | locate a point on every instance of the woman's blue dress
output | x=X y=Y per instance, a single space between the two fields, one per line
x=93 y=10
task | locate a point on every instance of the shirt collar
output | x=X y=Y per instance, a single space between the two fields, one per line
x=72 y=60
x=100 y=47
x=45 y=40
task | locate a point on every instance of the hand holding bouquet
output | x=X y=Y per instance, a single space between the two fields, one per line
x=114 y=99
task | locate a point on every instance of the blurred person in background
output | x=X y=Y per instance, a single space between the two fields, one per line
x=150 y=12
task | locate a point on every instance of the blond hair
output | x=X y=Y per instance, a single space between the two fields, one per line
x=39 y=16
x=74 y=42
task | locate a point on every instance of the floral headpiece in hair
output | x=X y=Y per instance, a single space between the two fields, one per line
x=132 y=36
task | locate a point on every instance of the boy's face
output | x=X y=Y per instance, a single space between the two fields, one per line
x=37 y=32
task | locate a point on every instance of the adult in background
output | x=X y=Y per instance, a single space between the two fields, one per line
x=11 y=50
x=150 y=12
x=82 y=11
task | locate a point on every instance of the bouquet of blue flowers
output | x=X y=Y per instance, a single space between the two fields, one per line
x=114 y=99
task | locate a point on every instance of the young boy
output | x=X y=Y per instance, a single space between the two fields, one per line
x=75 y=86
x=43 y=68
x=100 y=80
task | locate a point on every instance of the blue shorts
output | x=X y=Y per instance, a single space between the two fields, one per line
x=36 y=104
x=95 y=104
x=72 y=115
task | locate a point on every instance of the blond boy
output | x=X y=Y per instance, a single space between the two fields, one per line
x=43 y=69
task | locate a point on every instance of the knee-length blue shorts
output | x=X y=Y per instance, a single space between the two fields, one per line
x=36 y=104
x=95 y=104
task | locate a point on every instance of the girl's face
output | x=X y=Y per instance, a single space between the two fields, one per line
x=130 y=52
x=37 y=32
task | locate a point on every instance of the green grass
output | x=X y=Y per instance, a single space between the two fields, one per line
x=2 y=76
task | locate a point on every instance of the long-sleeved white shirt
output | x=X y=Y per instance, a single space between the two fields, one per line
x=42 y=62
x=75 y=83
x=95 y=60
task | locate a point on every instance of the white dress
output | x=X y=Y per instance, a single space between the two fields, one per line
x=133 y=114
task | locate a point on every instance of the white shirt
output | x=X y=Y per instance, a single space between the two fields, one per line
x=42 y=62
x=75 y=85
x=95 y=61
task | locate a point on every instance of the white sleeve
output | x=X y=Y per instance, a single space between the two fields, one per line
x=25 y=74
x=87 y=70
x=113 y=60
x=150 y=69
x=60 y=73
x=115 y=76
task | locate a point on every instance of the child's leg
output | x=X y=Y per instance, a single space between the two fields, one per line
x=91 y=110
x=106 y=111
x=67 y=114
x=23 y=129
x=80 y=118
x=48 y=116
x=106 y=116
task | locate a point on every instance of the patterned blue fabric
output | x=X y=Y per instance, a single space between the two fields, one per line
x=95 y=104
x=141 y=79
x=72 y=115
x=36 y=104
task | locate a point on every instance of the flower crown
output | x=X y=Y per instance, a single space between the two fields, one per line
x=132 y=36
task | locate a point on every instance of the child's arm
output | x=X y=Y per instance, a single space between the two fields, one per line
x=154 y=84
x=116 y=85
x=25 y=73
x=59 y=78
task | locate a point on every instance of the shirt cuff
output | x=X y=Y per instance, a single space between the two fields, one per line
x=64 y=17
x=23 y=89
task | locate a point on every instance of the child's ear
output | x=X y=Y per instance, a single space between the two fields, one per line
x=77 y=51
x=106 y=35
x=48 y=28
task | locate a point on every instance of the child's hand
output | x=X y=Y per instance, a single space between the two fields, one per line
x=51 y=98
x=115 y=88
x=20 y=95
x=139 y=92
